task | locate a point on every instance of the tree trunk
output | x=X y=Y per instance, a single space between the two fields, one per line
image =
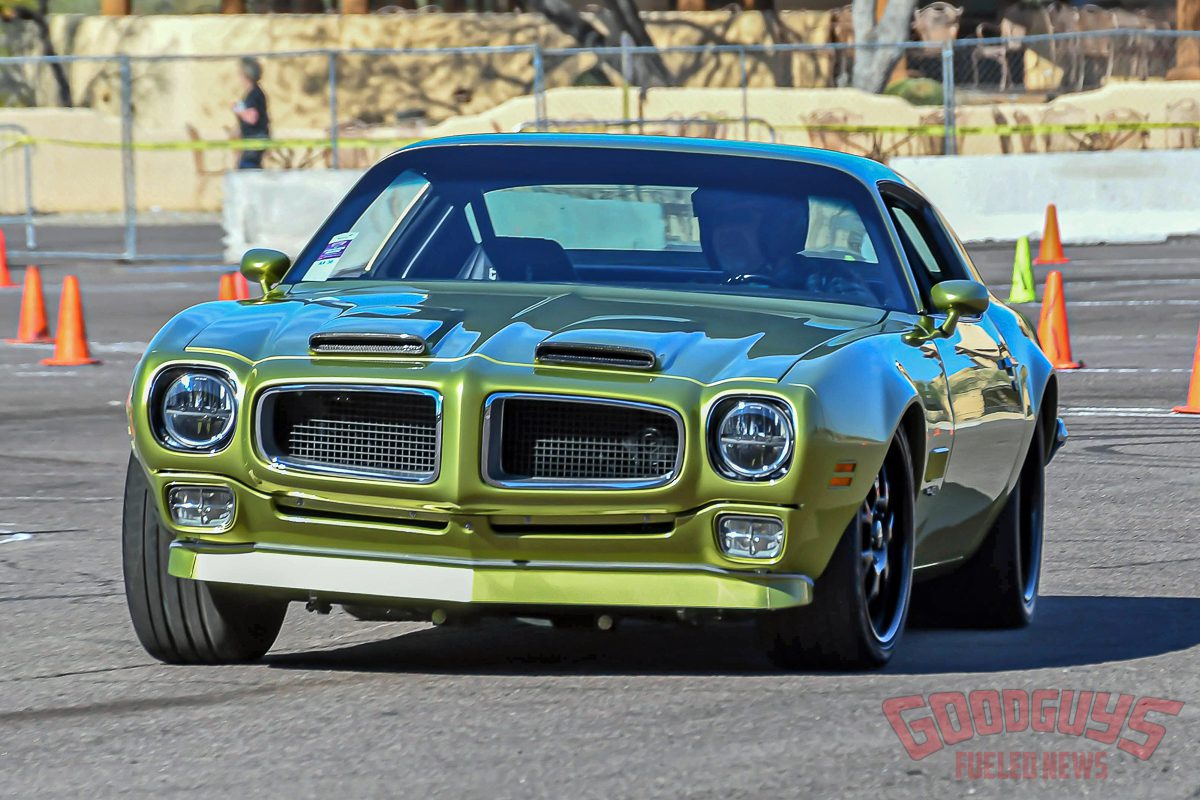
x=873 y=64
x=56 y=67
x=647 y=70
x=1187 y=50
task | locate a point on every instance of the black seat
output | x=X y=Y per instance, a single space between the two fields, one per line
x=517 y=258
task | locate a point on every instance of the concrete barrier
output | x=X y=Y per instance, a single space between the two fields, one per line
x=279 y=209
x=1137 y=196
x=1121 y=196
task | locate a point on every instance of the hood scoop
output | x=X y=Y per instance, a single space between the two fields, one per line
x=585 y=354
x=367 y=343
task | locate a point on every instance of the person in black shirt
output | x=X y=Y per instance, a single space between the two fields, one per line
x=251 y=113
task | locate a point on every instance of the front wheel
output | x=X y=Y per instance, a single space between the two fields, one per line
x=860 y=603
x=183 y=621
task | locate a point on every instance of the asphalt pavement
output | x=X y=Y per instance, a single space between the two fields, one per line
x=363 y=709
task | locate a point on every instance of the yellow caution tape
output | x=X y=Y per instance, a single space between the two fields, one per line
x=935 y=129
x=212 y=144
x=1000 y=130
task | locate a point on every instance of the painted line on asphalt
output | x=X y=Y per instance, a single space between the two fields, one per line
x=1124 y=337
x=1119 y=282
x=1123 y=411
x=24 y=498
x=1119 y=262
x=62 y=373
x=86 y=288
x=15 y=537
x=170 y=268
x=1101 y=303
x=1127 y=370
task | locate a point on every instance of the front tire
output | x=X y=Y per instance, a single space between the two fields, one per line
x=860 y=603
x=184 y=621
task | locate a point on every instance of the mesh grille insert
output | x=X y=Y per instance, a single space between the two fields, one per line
x=577 y=440
x=372 y=432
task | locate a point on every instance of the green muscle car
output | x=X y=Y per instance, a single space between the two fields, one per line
x=586 y=378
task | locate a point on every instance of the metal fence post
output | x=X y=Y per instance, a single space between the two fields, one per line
x=539 y=87
x=951 y=146
x=128 y=174
x=30 y=233
x=626 y=75
x=745 y=80
x=335 y=161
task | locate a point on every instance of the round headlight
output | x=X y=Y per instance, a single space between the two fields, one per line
x=754 y=439
x=197 y=410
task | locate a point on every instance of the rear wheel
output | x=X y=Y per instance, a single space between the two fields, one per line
x=860 y=603
x=998 y=586
x=185 y=621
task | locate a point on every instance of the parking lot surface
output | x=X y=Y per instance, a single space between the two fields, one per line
x=348 y=709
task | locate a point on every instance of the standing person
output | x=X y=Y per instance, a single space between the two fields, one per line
x=251 y=112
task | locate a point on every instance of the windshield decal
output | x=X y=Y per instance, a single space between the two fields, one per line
x=333 y=251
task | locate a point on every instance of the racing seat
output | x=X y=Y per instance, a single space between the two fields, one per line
x=518 y=258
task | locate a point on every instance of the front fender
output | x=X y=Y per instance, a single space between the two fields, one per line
x=862 y=396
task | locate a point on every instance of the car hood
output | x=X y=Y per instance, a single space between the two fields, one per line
x=704 y=337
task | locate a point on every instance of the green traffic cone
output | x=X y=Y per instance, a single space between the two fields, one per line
x=1022 y=278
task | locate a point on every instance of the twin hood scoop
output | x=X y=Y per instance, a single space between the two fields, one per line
x=585 y=354
x=367 y=343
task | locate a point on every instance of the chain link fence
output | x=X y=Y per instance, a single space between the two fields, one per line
x=156 y=135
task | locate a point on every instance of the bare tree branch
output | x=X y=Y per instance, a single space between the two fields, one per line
x=647 y=70
x=38 y=18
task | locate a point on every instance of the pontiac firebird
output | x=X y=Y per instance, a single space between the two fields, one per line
x=587 y=378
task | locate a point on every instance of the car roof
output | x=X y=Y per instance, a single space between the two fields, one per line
x=866 y=170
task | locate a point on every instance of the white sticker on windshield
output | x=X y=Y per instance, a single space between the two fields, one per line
x=333 y=251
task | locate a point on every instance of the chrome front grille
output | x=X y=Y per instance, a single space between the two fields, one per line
x=550 y=440
x=368 y=431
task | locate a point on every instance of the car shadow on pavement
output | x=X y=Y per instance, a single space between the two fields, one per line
x=1068 y=631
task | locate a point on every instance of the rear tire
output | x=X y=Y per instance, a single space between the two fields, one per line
x=860 y=603
x=184 y=621
x=998 y=586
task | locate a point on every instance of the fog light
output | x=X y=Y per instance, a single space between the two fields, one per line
x=750 y=537
x=201 y=506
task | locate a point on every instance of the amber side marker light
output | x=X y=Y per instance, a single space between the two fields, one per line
x=843 y=473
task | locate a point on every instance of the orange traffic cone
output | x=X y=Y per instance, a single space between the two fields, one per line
x=226 y=290
x=32 y=327
x=1193 y=398
x=1050 y=250
x=1053 y=331
x=71 y=348
x=5 y=278
x=241 y=287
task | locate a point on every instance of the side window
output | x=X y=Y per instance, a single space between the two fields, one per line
x=916 y=246
x=925 y=245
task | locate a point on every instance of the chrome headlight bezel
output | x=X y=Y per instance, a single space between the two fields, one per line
x=721 y=412
x=167 y=379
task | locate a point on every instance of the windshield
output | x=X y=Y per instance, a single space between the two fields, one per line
x=632 y=218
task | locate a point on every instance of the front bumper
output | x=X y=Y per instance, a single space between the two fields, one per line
x=340 y=575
